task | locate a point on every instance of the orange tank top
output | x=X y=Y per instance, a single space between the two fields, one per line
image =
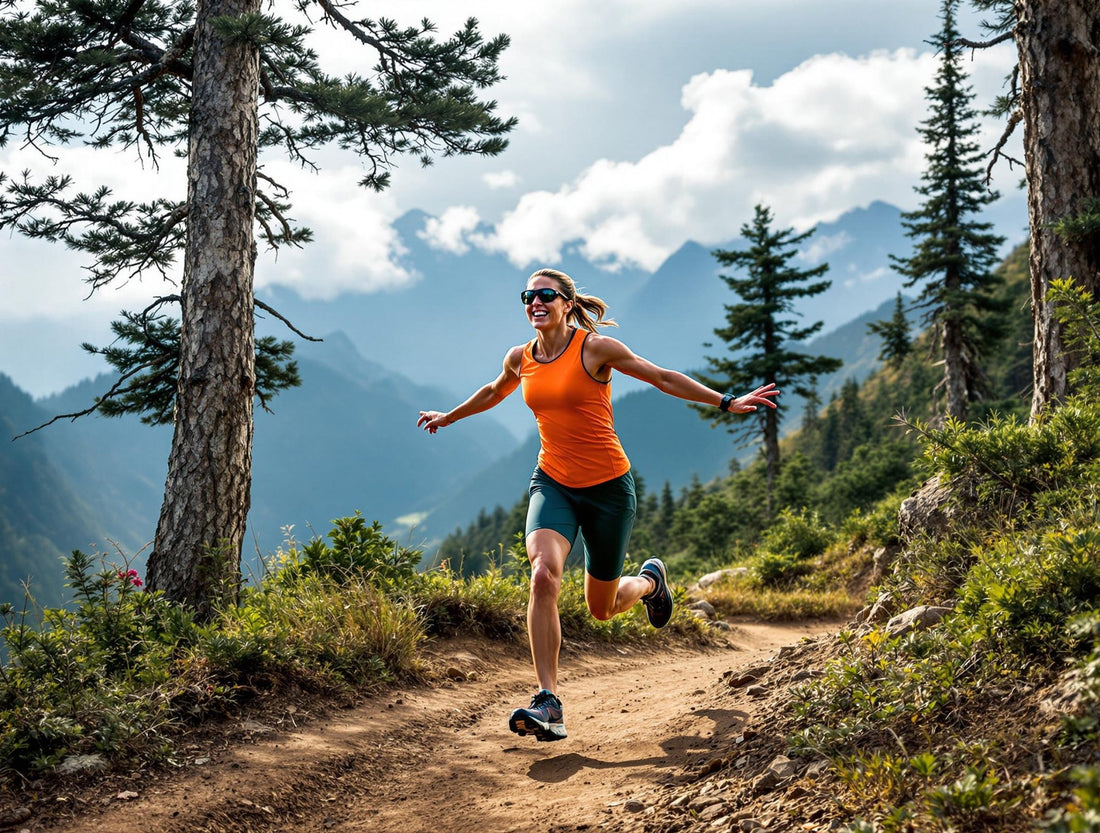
x=573 y=411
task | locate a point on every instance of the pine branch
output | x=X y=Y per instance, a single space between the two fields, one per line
x=115 y=390
x=357 y=32
x=147 y=370
x=973 y=44
x=998 y=150
x=278 y=315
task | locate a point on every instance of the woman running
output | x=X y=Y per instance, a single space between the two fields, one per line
x=582 y=480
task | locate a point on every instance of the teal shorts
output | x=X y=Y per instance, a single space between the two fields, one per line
x=603 y=514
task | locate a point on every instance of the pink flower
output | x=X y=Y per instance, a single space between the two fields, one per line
x=131 y=576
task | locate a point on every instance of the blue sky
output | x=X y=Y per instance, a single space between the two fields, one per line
x=641 y=126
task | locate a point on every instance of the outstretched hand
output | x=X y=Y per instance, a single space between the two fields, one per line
x=761 y=396
x=432 y=421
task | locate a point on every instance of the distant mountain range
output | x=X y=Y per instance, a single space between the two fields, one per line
x=347 y=439
x=452 y=327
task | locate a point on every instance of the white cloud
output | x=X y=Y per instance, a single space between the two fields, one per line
x=500 y=179
x=355 y=246
x=449 y=232
x=823 y=136
x=831 y=134
x=820 y=248
x=39 y=279
x=869 y=277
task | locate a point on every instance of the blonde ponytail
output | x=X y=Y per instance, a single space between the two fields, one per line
x=588 y=311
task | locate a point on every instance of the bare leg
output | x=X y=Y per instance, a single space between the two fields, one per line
x=547 y=551
x=610 y=598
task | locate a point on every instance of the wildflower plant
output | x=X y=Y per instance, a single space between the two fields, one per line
x=69 y=681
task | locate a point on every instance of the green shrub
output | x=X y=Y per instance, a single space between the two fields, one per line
x=490 y=604
x=777 y=570
x=801 y=534
x=1082 y=813
x=1011 y=465
x=787 y=547
x=1023 y=591
x=69 y=683
x=876 y=526
x=357 y=550
x=869 y=473
x=340 y=626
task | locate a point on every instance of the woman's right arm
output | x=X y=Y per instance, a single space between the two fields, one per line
x=486 y=397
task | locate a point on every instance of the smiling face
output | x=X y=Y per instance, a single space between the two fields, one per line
x=543 y=315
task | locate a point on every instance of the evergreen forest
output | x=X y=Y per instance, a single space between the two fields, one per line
x=845 y=459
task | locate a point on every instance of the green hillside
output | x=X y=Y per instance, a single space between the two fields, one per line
x=839 y=461
x=41 y=516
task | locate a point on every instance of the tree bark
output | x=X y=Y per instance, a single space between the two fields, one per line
x=197 y=550
x=1059 y=52
x=955 y=376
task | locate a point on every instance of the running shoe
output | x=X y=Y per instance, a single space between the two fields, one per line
x=658 y=603
x=543 y=718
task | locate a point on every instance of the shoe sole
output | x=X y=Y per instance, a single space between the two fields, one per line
x=658 y=566
x=524 y=725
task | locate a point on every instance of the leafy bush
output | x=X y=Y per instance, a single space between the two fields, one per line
x=1023 y=591
x=1010 y=465
x=490 y=604
x=872 y=471
x=358 y=550
x=1021 y=562
x=1082 y=813
x=877 y=525
x=801 y=534
x=67 y=685
x=788 y=545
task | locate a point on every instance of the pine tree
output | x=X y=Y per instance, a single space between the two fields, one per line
x=954 y=251
x=221 y=82
x=894 y=332
x=760 y=330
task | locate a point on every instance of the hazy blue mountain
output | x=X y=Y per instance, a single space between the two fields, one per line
x=42 y=517
x=346 y=440
x=452 y=327
x=119 y=464
x=664 y=438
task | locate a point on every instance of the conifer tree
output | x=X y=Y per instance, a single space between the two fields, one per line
x=226 y=84
x=761 y=329
x=894 y=332
x=954 y=250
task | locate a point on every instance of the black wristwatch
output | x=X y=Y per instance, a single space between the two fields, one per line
x=727 y=400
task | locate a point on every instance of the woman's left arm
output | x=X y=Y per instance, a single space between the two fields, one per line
x=610 y=352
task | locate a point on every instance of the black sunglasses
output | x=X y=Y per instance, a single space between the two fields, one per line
x=546 y=295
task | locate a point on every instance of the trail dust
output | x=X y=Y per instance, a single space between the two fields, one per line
x=440 y=759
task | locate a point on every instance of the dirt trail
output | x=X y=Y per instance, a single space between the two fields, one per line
x=442 y=759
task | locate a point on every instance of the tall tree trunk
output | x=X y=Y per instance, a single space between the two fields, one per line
x=1059 y=49
x=955 y=376
x=197 y=551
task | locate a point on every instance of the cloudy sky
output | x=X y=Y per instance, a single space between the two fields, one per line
x=641 y=125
